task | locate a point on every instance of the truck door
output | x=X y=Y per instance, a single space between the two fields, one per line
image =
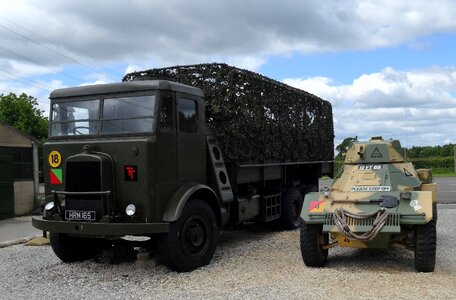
x=166 y=140
x=191 y=150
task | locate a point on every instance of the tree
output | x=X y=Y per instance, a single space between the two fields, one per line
x=22 y=113
x=343 y=147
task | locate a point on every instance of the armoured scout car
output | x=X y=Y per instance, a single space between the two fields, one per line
x=176 y=160
x=378 y=200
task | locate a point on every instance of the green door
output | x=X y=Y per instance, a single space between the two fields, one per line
x=6 y=183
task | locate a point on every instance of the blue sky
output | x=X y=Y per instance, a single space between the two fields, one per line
x=388 y=67
x=344 y=66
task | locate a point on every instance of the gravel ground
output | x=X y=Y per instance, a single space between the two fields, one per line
x=248 y=264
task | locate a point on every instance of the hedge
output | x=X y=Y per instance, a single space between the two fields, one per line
x=438 y=164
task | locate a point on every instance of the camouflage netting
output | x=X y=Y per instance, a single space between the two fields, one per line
x=257 y=119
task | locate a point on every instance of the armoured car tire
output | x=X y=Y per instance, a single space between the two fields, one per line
x=434 y=212
x=425 y=247
x=192 y=239
x=291 y=209
x=70 y=248
x=312 y=238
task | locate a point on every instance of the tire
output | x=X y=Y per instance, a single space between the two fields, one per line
x=70 y=248
x=425 y=247
x=291 y=209
x=312 y=238
x=192 y=239
x=434 y=212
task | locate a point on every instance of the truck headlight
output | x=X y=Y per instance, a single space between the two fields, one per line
x=49 y=206
x=130 y=210
x=48 y=209
x=325 y=191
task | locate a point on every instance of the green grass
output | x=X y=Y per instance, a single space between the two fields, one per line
x=449 y=174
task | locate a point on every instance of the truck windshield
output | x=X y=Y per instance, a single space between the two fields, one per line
x=103 y=116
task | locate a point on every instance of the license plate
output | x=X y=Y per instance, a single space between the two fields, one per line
x=80 y=215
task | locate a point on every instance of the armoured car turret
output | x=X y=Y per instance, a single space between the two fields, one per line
x=378 y=200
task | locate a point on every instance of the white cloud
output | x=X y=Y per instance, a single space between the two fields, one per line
x=138 y=33
x=245 y=33
x=431 y=88
x=133 y=68
x=417 y=106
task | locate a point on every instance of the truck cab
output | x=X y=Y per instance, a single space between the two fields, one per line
x=135 y=140
x=117 y=153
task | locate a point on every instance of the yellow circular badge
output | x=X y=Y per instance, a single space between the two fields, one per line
x=55 y=159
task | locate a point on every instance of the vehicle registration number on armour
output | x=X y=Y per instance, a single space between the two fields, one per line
x=381 y=188
x=80 y=215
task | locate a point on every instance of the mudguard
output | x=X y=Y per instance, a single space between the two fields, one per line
x=176 y=204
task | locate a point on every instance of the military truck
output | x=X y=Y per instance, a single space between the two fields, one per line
x=175 y=155
x=378 y=200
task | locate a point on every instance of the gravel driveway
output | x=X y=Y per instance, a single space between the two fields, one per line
x=248 y=263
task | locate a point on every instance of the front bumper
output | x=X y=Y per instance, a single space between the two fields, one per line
x=99 y=229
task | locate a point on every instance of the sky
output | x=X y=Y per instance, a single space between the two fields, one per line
x=388 y=67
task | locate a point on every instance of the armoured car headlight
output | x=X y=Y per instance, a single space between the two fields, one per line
x=325 y=191
x=405 y=195
x=49 y=206
x=130 y=210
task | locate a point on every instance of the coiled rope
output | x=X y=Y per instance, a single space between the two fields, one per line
x=340 y=219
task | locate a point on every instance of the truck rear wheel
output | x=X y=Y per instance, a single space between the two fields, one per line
x=312 y=240
x=291 y=209
x=69 y=248
x=425 y=247
x=192 y=239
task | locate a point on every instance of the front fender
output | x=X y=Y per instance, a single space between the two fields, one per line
x=176 y=205
x=313 y=208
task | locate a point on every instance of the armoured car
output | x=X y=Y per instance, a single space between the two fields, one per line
x=377 y=200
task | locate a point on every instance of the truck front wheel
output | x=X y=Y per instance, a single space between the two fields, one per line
x=425 y=247
x=312 y=240
x=192 y=239
x=69 y=248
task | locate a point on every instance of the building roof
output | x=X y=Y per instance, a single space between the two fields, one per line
x=13 y=137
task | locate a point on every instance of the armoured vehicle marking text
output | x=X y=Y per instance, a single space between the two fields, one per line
x=371 y=189
x=369 y=167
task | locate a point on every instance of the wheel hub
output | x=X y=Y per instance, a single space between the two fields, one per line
x=197 y=236
x=194 y=236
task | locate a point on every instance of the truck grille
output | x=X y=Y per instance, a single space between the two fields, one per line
x=84 y=177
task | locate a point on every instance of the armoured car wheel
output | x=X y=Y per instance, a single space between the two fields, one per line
x=312 y=239
x=192 y=239
x=291 y=209
x=70 y=248
x=434 y=211
x=425 y=247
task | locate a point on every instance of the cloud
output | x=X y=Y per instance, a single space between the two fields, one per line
x=432 y=87
x=183 y=32
x=58 y=37
x=417 y=106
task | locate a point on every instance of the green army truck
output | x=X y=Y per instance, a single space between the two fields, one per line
x=177 y=154
x=378 y=200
